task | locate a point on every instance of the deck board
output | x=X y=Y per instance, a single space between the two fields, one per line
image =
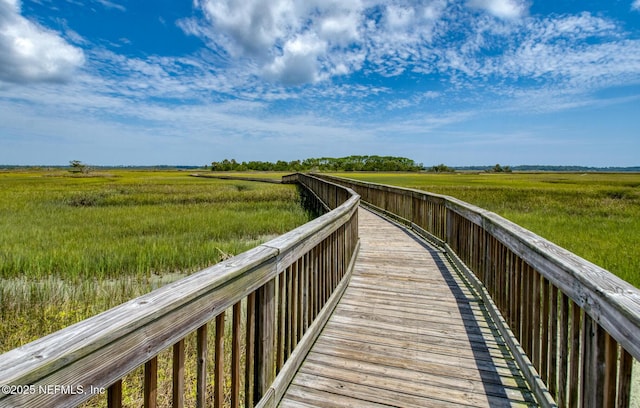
x=408 y=332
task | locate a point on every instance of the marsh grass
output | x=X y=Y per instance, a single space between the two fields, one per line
x=594 y=215
x=72 y=246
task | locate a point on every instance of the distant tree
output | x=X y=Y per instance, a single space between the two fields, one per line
x=78 y=167
x=350 y=163
x=499 y=169
x=441 y=168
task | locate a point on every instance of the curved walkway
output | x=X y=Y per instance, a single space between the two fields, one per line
x=408 y=332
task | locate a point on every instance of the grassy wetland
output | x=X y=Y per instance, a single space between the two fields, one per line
x=594 y=215
x=74 y=245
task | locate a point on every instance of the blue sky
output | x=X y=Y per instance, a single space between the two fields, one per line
x=466 y=82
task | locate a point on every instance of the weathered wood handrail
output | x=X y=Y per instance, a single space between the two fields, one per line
x=288 y=287
x=578 y=323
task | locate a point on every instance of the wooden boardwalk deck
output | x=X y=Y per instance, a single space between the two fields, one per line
x=408 y=332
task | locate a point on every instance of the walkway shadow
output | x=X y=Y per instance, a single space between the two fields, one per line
x=497 y=393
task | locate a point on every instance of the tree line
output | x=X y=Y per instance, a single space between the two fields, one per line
x=349 y=163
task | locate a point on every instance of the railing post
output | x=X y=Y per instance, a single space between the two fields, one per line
x=265 y=332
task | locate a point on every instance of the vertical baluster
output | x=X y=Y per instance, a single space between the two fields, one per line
x=300 y=308
x=574 y=359
x=312 y=285
x=624 y=379
x=323 y=273
x=294 y=306
x=306 y=318
x=610 y=370
x=178 y=375
x=201 y=376
x=264 y=355
x=553 y=342
x=281 y=319
x=250 y=350
x=544 y=332
x=218 y=396
x=235 y=354
x=316 y=281
x=500 y=278
x=517 y=301
x=536 y=320
x=526 y=312
x=563 y=363
x=517 y=296
x=288 y=332
x=590 y=349
x=114 y=395
x=151 y=383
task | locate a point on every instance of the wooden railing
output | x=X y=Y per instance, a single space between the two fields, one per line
x=281 y=293
x=578 y=324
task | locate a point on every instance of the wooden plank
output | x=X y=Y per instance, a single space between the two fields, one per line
x=431 y=337
x=373 y=394
x=419 y=304
x=299 y=396
x=439 y=311
x=380 y=378
x=321 y=364
x=437 y=334
x=479 y=351
x=448 y=365
x=467 y=328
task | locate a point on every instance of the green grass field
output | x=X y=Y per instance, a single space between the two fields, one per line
x=594 y=215
x=73 y=245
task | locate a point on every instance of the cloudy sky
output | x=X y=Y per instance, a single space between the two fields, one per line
x=460 y=82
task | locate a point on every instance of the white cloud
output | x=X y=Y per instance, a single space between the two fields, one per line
x=298 y=63
x=112 y=5
x=290 y=42
x=501 y=8
x=293 y=43
x=399 y=16
x=635 y=5
x=251 y=27
x=582 y=51
x=31 y=53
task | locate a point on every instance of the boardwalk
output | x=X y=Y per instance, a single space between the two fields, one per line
x=408 y=332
